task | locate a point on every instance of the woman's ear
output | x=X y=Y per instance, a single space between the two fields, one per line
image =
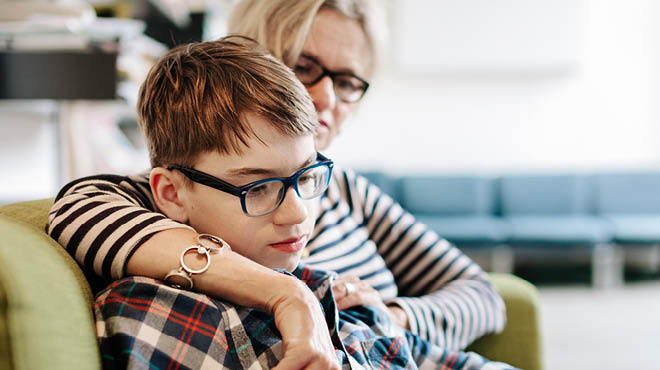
x=168 y=189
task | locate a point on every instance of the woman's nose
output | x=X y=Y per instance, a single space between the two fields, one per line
x=292 y=211
x=323 y=94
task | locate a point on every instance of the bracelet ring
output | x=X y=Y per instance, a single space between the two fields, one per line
x=200 y=250
x=185 y=272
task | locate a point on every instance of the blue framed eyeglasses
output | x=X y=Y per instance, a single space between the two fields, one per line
x=262 y=197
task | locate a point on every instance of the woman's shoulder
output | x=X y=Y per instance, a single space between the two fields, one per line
x=348 y=178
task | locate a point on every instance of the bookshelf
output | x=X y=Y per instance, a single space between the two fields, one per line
x=58 y=75
x=62 y=76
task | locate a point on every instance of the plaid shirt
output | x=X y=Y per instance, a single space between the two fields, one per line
x=143 y=323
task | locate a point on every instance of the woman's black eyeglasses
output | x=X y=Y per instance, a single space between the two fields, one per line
x=348 y=87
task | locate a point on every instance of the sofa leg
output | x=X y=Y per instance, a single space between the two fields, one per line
x=498 y=258
x=607 y=266
x=643 y=257
x=502 y=259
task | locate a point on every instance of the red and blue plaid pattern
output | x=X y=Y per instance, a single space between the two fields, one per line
x=143 y=323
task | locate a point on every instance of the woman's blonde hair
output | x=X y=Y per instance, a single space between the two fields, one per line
x=282 y=26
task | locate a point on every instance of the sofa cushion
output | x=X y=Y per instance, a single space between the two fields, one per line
x=559 y=230
x=635 y=229
x=544 y=195
x=468 y=230
x=385 y=182
x=46 y=302
x=628 y=193
x=447 y=195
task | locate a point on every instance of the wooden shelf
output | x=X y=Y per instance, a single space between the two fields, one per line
x=60 y=75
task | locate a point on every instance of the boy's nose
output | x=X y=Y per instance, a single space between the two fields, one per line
x=323 y=94
x=292 y=211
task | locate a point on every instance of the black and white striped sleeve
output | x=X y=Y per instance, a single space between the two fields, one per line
x=447 y=297
x=101 y=220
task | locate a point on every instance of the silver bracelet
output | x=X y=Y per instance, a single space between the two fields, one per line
x=184 y=272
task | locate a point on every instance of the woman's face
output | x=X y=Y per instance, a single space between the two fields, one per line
x=339 y=44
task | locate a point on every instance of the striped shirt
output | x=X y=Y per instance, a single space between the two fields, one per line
x=448 y=299
x=144 y=324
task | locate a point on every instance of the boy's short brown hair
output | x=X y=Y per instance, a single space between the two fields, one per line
x=195 y=99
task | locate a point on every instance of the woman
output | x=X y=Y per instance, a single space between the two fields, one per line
x=110 y=225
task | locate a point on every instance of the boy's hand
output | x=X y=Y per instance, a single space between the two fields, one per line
x=305 y=336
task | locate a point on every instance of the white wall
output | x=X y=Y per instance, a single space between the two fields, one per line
x=28 y=166
x=602 y=114
x=45 y=144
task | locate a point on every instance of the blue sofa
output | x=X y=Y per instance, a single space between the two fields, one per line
x=463 y=210
x=550 y=219
x=631 y=205
x=560 y=217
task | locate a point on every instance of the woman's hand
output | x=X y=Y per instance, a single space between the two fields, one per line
x=398 y=316
x=350 y=291
x=305 y=336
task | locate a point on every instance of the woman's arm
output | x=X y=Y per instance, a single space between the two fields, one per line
x=110 y=225
x=446 y=296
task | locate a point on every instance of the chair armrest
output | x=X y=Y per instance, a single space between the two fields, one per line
x=46 y=319
x=520 y=342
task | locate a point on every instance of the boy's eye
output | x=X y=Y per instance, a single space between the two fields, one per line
x=263 y=189
x=305 y=178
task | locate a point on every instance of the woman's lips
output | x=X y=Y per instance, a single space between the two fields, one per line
x=291 y=245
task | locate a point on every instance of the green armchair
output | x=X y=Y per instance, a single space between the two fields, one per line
x=46 y=317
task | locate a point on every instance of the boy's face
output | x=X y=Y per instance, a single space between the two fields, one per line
x=275 y=240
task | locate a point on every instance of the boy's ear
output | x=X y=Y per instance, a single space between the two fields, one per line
x=168 y=191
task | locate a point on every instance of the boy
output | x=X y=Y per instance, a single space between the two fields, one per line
x=216 y=115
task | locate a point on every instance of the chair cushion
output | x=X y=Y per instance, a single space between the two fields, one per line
x=385 y=183
x=468 y=230
x=45 y=302
x=559 y=230
x=520 y=344
x=544 y=195
x=628 y=193
x=447 y=195
x=635 y=229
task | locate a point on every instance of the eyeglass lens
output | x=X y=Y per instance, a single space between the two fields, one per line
x=347 y=87
x=266 y=197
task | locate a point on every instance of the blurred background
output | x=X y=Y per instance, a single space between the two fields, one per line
x=471 y=86
x=484 y=88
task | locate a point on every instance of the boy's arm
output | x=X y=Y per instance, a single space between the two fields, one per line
x=111 y=227
x=234 y=278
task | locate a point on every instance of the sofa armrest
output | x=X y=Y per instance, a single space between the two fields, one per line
x=46 y=319
x=520 y=342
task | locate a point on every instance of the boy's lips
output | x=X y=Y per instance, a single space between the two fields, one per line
x=290 y=245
